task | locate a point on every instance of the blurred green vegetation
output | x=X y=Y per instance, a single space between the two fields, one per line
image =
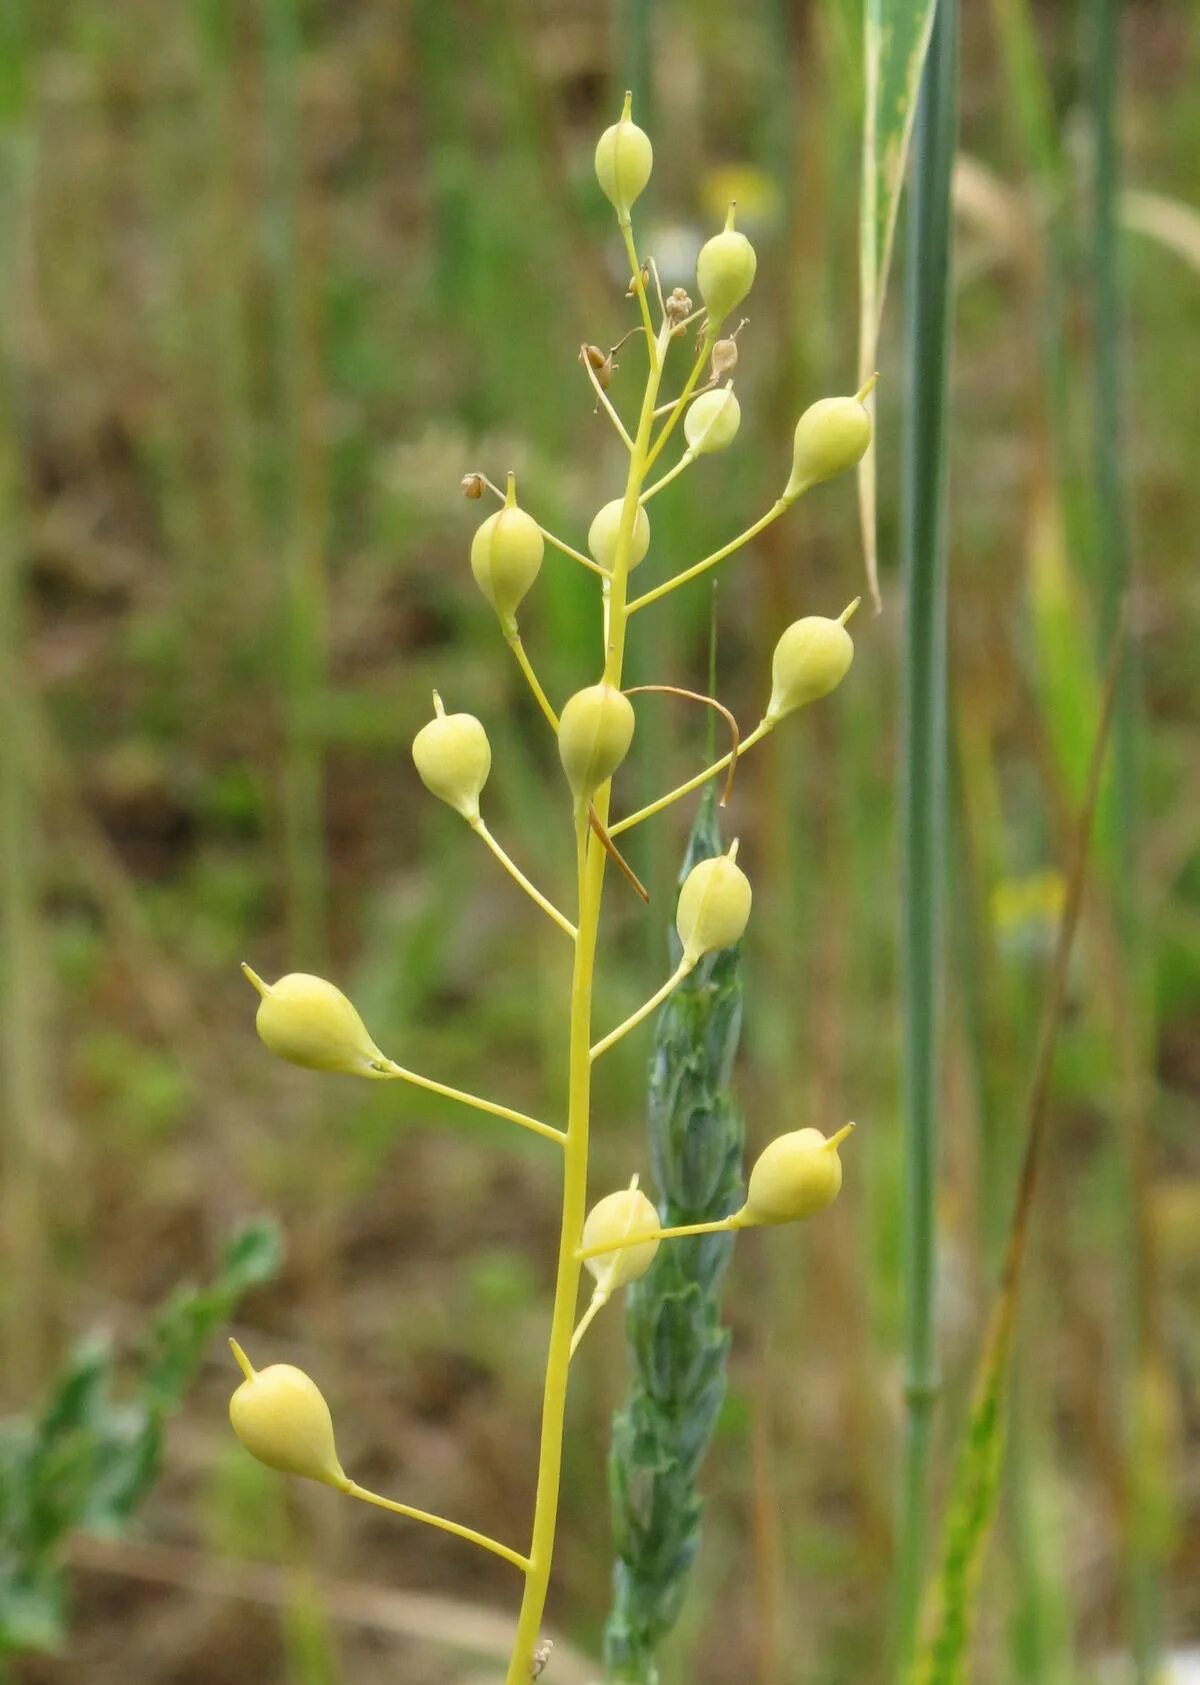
x=273 y=277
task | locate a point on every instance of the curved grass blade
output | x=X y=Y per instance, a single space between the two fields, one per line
x=896 y=42
x=975 y=1483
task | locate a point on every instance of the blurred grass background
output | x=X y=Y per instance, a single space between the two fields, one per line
x=273 y=276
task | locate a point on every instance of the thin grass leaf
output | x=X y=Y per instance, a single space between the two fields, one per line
x=895 y=42
x=975 y=1483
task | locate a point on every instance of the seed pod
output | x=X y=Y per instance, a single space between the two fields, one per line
x=724 y=357
x=725 y=271
x=712 y=421
x=602 y=535
x=309 y=1022
x=831 y=435
x=714 y=906
x=794 y=1176
x=506 y=556
x=616 y=1217
x=281 y=1418
x=594 y=735
x=811 y=658
x=453 y=756
x=600 y=362
x=624 y=159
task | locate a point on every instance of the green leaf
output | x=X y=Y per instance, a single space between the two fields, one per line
x=895 y=42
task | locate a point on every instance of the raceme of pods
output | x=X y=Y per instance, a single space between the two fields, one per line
x=278 y=1413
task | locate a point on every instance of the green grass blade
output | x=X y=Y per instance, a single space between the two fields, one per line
x=924 y=769
x=975 y=1484
x=896 y=42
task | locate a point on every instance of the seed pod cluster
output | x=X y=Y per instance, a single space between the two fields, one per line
x=794 y=1176
x=725 y=271
x=453 y=757
x=602 y=535
x=594 y=735
x=833 y=434
x=281 y=1418
x=712 y=421
x=624 y=160
x=309 y=1022
x=811 y=658
x=614 y=1218
x=714 y=906
x=506 y=557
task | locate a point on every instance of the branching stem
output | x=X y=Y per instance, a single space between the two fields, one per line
x=518 y=876
x=772 y=514
x=720 y=1225
x=685 y=789
x=513 y=639
x=647 y=1007
x=394 y=1072
x=353 y=1490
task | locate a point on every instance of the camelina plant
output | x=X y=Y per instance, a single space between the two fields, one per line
x=278 y=1413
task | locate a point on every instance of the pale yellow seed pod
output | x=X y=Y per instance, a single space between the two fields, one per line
x=725 y=271
x=624 y=159
x=281 y=1418
x=714 y=906
x=309 y=1022
x=831 y=435
x=712 y=421
x=594 y=735
x=811 y=658
x=506 y=557
x=602 y=535
x=793 y=1177
x=453 y=756
x=616 y=1217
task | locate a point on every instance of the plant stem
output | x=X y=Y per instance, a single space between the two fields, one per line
x=591 y=863
x=772 y=514
x=646 y=1008
x=354 y=1490
x=398 y=1073
x=923 y=542
x=690 y=784
x=518 y=876
x=534 y=683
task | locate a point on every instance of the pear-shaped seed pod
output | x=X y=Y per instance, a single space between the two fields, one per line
x=794 y=1176
x=594 y=735
x=831 y=435
x=309 y=1022
x=714 y=906
x=616 y=1217
x=506 y=557
x=725 y=271
x=453 y=756
x=624 y=159
x=811 y=658
x=281 y=1418
x=712 y=421
x=602 y=535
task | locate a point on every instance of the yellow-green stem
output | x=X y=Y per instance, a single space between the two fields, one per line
x=686 y=788
x=772 y=514
x=353 y=1490
x=531 y=678
x=719 y=1225
x=592 y=860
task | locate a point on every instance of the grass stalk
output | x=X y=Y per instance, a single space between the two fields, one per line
x=676 y=1343
x=923 y=546
x=302 y=495
x=23 y=1310
x=1148 y=1502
